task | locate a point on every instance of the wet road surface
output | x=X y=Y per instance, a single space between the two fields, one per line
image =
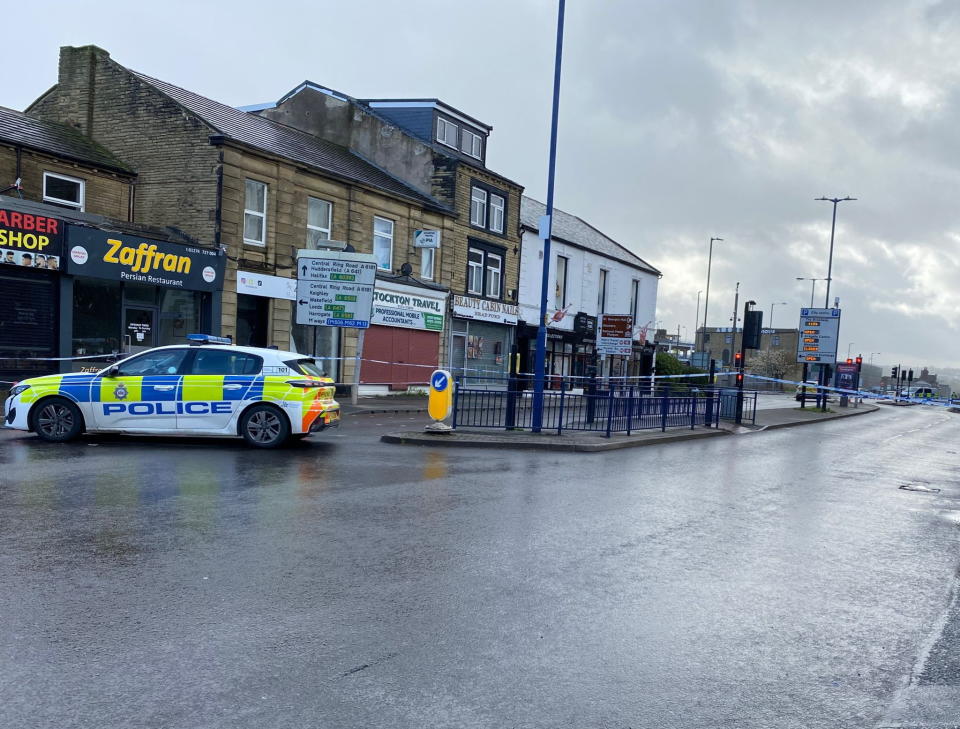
x=778 y=579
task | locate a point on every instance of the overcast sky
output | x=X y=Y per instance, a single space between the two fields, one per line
x=679 y=121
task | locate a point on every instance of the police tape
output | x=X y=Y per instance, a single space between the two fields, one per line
x=864 y=394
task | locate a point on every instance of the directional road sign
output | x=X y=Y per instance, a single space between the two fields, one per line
x=335 y=289
x=819 y=330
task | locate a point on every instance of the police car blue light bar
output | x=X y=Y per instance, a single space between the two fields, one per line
x=208 y=339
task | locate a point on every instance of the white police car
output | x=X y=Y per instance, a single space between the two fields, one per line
x=208 y=387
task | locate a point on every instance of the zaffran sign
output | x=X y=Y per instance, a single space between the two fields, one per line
x=819 y=331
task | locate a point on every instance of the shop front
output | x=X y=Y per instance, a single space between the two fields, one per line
x=131 y=293
x=31 y=247
x=569 y=350
x=481 y=337
x=402 y=346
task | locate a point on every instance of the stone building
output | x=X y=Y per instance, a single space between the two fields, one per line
x=244 y=183
x=441 y=153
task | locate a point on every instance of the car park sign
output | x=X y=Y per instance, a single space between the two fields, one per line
x=819 y=330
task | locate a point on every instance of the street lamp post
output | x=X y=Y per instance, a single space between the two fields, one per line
x=696 y=322
x=706 y=298
x=849 y=347
x=775 y=303
x=833 y=226
x=547 y=224
x=813 y=286
x=871 y=356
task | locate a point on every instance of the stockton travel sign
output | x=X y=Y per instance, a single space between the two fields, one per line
x=335 y=289
x=408 y=307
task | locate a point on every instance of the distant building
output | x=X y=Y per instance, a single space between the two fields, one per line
x=724 y=343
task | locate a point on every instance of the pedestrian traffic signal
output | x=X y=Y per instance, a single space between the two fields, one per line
x=739 y=379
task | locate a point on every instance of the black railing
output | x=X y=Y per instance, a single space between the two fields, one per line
x=592 y=406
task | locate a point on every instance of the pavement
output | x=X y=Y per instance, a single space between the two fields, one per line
x=768 y=418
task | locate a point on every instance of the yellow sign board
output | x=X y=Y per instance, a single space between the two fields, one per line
x=440 y=403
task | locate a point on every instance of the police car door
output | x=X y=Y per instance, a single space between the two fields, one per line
x=142 y=393
x=215 y=387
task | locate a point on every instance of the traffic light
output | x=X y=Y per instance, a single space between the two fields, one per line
x=910 y=375
x=737 y=360
x=894 y=371
x=849 y=361
x=859 y=361
x=739 y=379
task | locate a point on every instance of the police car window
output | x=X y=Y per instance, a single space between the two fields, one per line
x=159 y=362
x=306 y=367
x=225 y=362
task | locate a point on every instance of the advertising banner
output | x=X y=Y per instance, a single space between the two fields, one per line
x=408 y=307
x=129 y=258
x=34 y=241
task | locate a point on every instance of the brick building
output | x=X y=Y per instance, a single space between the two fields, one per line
x=724 y=343
x=245 y=183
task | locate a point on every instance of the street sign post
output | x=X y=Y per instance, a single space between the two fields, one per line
x=819 y=331
x=335 y=289
x=615 y=335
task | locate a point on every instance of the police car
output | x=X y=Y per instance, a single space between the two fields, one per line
x=208 y=387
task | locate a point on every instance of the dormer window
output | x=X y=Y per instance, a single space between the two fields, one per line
x=471 y=144
x=446 y=132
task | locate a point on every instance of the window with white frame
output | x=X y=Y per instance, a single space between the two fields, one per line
x=494 y=275
x=602 y=292
x=485 y=271
x=255 y=213
x=383 y=243
x=66 y=192
x=478 y=207
x=319 y=217
x=560 y=291
x=475 y=271
x=497 y=208
x=634 y=299
x=446 y=132
x=471 y=144
x=428 y=257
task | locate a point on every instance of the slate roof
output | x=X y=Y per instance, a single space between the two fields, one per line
x=283 y=141
x=55 y=139
x=571 y=229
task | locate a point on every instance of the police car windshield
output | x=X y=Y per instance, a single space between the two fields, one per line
x=305 y=367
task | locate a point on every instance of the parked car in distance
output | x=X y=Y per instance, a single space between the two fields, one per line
x=809 y=388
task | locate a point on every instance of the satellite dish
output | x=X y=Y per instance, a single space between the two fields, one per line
x=406 y=269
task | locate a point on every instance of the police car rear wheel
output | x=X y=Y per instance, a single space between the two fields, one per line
x=264 y=426
x=57 y=420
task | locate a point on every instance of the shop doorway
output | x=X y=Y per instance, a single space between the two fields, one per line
x=253 y=314
x=139 y=328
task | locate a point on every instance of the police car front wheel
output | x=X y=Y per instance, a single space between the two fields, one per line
x=264 y=426
x=57 y=420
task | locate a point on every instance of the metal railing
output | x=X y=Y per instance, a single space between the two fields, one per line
x=593 y=406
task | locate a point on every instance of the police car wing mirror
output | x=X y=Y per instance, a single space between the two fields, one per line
x=113 y=372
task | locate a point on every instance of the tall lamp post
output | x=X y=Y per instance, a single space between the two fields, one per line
x=833 y=227
x=706 y=298
x=546 y=225
x=813 y=286
x=775 y=303
x=871 y=356
x=696 y=323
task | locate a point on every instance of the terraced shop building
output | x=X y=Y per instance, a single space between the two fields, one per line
x=234 y=180
x=77 y=278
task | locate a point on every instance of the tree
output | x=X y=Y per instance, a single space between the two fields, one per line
x=770 y=363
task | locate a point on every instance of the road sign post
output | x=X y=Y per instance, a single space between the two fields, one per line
x=335 y=289
x=440 y=401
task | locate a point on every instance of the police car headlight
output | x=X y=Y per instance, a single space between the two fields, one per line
x=17 y=389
